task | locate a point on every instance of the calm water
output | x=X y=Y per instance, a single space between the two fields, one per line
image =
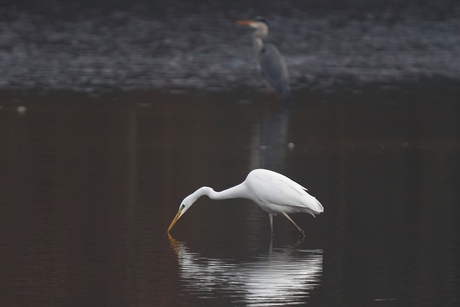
x=89 y=186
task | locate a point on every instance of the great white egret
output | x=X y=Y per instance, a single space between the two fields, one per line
x=273 y=192
x=271 y=63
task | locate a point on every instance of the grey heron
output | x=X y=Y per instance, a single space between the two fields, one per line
x=271 y=62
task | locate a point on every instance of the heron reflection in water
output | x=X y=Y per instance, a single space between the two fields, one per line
x=270 y=62
x=270 y=142
x=281 y=276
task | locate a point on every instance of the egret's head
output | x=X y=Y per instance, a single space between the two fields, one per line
x=184 y=206
x=260 y=24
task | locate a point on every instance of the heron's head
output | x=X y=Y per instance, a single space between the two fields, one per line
x=258 y=23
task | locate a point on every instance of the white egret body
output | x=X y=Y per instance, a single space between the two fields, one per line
x=273 y=192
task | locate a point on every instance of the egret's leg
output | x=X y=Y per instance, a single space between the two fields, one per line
x=302 y=233
x=270 y=215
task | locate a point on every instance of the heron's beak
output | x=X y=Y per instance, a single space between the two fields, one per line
x=244 y=22
x=178 y=214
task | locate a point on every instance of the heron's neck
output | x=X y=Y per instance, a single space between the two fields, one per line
x=257 y=45
x=238 y=191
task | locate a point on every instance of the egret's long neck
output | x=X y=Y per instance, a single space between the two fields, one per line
x=238 y=191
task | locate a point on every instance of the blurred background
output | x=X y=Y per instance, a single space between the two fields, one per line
x=111 y=112
x=93 y=46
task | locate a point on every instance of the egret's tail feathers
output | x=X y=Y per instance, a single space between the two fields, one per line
x=320 y=206
x=313 y=207
x=316 y=207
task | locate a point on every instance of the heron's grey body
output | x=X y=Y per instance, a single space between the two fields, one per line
x=271 y=62
x=274 y=70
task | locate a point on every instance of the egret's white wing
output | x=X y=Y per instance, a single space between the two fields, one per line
x=270 y=188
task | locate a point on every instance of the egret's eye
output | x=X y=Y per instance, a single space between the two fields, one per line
x=182 y=207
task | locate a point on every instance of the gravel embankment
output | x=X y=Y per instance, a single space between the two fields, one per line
x=126 y=50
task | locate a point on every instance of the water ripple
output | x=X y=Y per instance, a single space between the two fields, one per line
x=282 y=276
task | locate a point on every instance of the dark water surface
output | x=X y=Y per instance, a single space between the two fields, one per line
x=89 y=186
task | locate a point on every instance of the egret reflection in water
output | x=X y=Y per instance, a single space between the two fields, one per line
x=281 y=276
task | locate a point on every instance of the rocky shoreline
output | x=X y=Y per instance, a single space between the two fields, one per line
x=99 y=51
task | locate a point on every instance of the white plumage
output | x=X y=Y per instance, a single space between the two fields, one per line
x=276 y=193
x=273 y=192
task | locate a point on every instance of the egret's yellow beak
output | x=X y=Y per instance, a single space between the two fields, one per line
x=178 y=214
x=244 y=22
x=174 y=244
